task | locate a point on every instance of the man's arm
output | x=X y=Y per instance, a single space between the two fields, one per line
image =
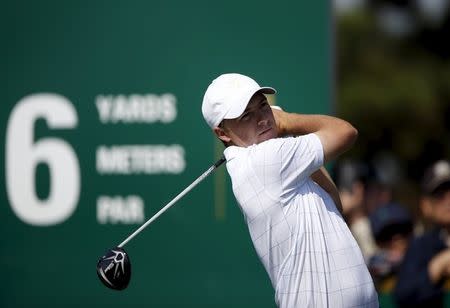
x=336 y=135
x=323 y=179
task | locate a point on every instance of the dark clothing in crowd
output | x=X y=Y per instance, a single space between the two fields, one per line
x=414 y=287
x=392 y=227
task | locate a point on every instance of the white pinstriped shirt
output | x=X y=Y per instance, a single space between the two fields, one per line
x=300 y=237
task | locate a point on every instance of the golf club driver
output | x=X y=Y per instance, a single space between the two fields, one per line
x=114 y=267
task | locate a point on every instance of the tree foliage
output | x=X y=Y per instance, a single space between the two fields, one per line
x=395 y=90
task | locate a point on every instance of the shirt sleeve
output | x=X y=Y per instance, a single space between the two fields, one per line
x=295 y=158
x=301 y=156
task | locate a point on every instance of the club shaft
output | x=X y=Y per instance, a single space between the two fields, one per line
x=174 y=200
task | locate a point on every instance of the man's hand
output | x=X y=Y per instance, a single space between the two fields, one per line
x=439 y=266
x=280 y=120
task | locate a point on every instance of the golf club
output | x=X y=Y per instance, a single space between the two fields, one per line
x=114 y=267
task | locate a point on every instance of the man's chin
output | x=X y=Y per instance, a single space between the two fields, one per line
x=267 y=135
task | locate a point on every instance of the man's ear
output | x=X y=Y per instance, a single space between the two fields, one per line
x=221 y=134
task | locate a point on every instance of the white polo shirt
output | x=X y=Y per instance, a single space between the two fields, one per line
x=300 y=237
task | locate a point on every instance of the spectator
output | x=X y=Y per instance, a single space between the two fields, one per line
x=392 y=228
x=386 y=176
x=426 y=264
x=352 y=181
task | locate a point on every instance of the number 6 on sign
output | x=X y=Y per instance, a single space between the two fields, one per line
x=23 y=155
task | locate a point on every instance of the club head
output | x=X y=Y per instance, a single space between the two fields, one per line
x=114 y=269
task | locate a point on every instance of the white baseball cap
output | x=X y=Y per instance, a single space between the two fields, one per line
x=227 y=97
x=436 y=176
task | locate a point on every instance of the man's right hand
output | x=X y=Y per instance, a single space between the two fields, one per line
x=280 y=120
x=439 y=266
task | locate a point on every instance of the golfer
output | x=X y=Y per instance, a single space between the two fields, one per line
x=289 y=203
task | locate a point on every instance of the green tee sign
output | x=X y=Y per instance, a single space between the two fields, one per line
x=102 y=126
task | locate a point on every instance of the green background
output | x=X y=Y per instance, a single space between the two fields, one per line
x=199 y=253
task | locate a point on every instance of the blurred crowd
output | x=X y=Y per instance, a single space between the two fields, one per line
x=393 y=63
x=406 y=247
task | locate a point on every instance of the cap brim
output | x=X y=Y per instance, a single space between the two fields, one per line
x=438 y=185
x=267 y=90
x=238 y=109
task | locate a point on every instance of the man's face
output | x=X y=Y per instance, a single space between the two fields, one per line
x=255 y=125
x=439 y=207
